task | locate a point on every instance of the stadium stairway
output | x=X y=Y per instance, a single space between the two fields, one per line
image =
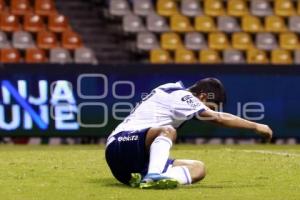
x=104 y=38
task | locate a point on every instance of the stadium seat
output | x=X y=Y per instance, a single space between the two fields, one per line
x=58 y=23
x=209 y=56
x=22 y=40
x=180 y=23
x=289 y=41
x=34 y=55
x=297 y=56
x=4 y=42
x=171 y=41
x=205 y=24
x=10 y=55
x=214 y=7
x=261 y=8
x=228 y=24
x=157 y=23
x=231 y=56
x=71 y=40
x=119 y=7
x=20 y=7
x=281 y=56
x=45 y=7
x=237 y=8
x=9 y=22
x=218 y=41
x=257 y=56
x=133 y=23
x=191 y=8
x=275 y=24
x=85 y=55
x=33 y=23
x=294 y=24
x=142 y=7
x=266 y=41
x=167 y=7
x=251 y=24
x=60 y=55
x=195 y=41
x=46 y=40
x=147 y=41
x=284 y=8
x=184 y=56
x=242 y=41
x=160 y=56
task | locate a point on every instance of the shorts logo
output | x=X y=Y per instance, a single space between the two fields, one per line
x=128 y=138
x=189 y=99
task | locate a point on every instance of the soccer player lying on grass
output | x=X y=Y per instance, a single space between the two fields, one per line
x=137 y=151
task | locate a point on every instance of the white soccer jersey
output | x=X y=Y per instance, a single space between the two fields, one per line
x=168 y=104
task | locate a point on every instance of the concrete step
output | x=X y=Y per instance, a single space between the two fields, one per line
x=98 y=33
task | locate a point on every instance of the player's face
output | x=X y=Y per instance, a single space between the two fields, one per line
x=203 y=98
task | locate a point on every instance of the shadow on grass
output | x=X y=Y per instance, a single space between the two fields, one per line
x=113 y=183
x=107 y=182
x=220 y=186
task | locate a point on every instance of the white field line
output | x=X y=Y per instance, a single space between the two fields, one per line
x=279 y=153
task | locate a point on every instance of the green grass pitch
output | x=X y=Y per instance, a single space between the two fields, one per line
x=80 y=172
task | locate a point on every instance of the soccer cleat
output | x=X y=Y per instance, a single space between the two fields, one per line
x=157 y=181
x=135 y=180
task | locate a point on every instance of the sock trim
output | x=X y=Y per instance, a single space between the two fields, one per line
x=168 y=163
x=187 y=175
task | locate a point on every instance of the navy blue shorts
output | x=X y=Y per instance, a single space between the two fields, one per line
x=127 y=154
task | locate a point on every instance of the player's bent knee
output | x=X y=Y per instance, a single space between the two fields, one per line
x=199 y=171
x=169 y=131
x=166 y=131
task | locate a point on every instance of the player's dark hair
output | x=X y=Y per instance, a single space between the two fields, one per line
x=212 y=87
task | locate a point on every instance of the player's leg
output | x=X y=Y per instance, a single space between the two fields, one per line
x=186 y=171
x=159 y=142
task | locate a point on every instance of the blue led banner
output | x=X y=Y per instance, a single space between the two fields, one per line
x=84 y=100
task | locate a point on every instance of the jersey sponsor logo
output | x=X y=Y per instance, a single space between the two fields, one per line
x=128 y=138
x=189 y=99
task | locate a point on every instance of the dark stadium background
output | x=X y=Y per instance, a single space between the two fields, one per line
x=126 y=41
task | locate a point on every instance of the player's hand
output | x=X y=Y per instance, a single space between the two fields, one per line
x=264 y=130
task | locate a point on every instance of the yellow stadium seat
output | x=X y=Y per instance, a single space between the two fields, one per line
x=242 y=41
x=214 y=7
x=218 y=41
x=171 y=41
x=284 y=8
x=237 y=8
x=160 y=56
x=184 y=56
x=281 y=56
x=209 y=56
x=251 y=24
x=205 y=24
x=180 y=23
x=275 y=24
x=167 y=7
x=289 y=41
x=257 y=56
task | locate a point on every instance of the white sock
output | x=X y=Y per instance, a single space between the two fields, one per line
x=159 y=154
x=179 y=173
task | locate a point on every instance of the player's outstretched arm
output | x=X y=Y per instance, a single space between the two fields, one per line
x=232 y=121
